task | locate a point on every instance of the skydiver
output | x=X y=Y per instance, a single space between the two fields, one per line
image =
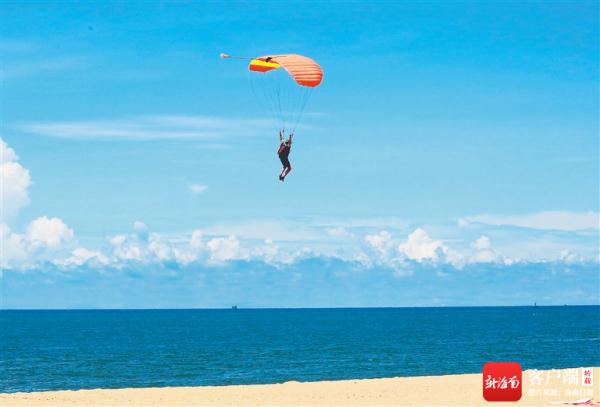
x=284 y=151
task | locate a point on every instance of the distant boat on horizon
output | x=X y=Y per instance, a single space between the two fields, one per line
x=234 y=307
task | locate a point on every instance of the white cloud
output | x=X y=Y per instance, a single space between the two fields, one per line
x=194 y=250
x=124 y=250
x=14 y=182
x=380 y=242
x=48 y=233
x=196 y=242
x=191 y=252
x=42 y=234
x=548 y=220
x=13 y=247
x=197 y=188
x=482 y=243
x=7 y=154
x=486 y=256
x=47 y=239
x=117 y=240
x=569 y=257
x=268 y=252
x=144 y=247
x=159 y=127
x=128 y=253
x=161 y=250
x=81 y=256
x=483 y=251
x=224 y=248
x=420 y=247
x=44 y=237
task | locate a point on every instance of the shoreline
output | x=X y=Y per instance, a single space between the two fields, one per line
x=448 y=390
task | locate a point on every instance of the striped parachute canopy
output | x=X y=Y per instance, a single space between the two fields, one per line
x=283 y=93
x=303 y=70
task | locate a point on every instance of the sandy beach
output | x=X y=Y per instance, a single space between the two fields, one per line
x=452 y=390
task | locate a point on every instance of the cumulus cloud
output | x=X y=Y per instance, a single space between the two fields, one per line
x=81 y=256
x=196 y=242
x=568 y=257
x=117 y=240
x=381 y=251
x=160 y=250
x=43 y=236
x=48 y=233
x=268 y=251
x=14 y=182
x=125 y=250
x=420 y=247
x=483 y=251
x=224 y=248
x=144 y=247
x=194 y=251
x=380 y=242
x=13 y=247
x=7 y=154
x=483 y=243
x=51 y=240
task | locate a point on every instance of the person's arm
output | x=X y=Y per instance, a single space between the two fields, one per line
x=290 y=138
x=281 y=134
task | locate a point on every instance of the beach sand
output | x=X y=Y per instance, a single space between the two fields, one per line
x=452 y=390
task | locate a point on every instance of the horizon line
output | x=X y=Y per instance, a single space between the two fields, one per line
x=238 y=308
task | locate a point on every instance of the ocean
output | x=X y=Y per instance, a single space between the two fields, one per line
x=52 y=350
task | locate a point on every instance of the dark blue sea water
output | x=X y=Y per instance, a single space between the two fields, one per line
x=43 y=350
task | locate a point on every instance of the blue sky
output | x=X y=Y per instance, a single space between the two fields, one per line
x=445 y=137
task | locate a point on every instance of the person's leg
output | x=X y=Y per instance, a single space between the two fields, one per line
x=287 y=170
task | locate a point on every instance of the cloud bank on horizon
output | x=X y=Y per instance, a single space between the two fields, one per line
x=552 y=236
x=551 y=245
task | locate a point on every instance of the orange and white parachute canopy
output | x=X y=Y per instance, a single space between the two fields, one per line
x=304 y=71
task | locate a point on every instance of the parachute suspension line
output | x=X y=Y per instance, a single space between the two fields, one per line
x=283 y=101
x=262 y=91
x=288 y=103
x=280 y=112
x=293 y=105
x=275 y=103
x=282 y=86
x=305 y=98
x=258 y=97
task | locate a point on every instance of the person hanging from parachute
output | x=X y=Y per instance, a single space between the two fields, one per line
x=284 y=151
x=283 y=99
